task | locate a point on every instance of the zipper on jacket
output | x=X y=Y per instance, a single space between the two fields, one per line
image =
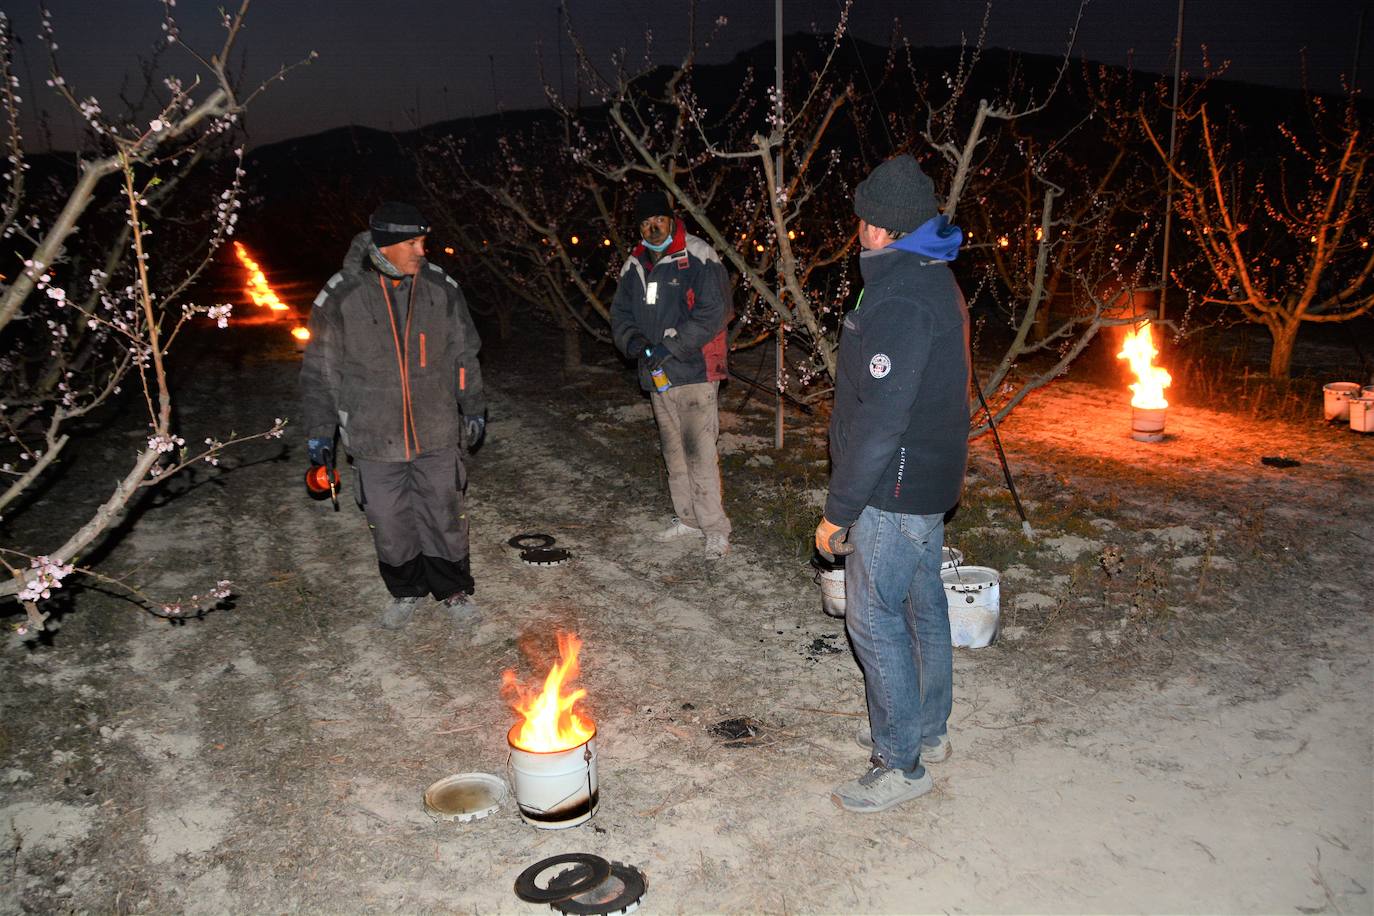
x=402 y=361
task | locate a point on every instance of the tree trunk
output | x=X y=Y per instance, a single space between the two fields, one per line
x=1281 y=355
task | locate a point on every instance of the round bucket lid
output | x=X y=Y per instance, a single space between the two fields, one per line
x=546 y=556
x=465 y=797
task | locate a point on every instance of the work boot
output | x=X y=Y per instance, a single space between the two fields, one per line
x=933 y=750
x=460 y=606
x=717 y=546
x=879 y=789
x=677 y=530
x=399 y=612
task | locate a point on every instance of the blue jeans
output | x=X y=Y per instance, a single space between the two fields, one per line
x=898 y=624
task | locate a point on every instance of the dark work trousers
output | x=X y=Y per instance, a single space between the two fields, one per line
x=416 y=510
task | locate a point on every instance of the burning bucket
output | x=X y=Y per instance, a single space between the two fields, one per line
x=1362 y=413
x=554 y=789
x=1336 y=398
x=974 y=597
x=1147 y=424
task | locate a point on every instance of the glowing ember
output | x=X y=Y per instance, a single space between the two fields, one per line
x=257 y=287
x=1151 y=380
x=300 y=333
x=550 y=724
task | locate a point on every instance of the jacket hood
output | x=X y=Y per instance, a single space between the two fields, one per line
x=935 y=238
x=355 y=260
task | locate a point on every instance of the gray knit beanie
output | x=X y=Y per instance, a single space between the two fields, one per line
x=896 y=196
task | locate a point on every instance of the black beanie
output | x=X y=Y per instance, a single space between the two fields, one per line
x=394 y=222
x=652 y=203
x=896 y=196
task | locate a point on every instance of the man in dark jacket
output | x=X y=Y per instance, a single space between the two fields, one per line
x=669 y=314
x=898 y=451
x=392 y=359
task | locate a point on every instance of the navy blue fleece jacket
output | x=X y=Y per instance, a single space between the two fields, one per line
x=899 y=432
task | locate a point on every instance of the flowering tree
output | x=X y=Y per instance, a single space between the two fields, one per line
x=1057 y=195
x=1284 y=240
x=539 y=231
x=94 y=312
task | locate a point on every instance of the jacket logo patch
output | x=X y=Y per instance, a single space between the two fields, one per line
x=879 y=366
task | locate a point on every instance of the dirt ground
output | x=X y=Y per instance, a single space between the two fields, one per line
x=1176 y=718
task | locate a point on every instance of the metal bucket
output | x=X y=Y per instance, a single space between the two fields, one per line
x=554 y=789
x=1336 y=399
x=830 y=577
x=973 y=594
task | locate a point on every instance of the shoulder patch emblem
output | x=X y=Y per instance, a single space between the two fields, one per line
x=880 y=365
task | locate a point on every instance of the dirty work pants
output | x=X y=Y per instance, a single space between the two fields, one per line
x=898 y=623
x=419 y=522
x=688 y=427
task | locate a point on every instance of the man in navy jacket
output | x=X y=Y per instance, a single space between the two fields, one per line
x=898 y=450
x=669 y=315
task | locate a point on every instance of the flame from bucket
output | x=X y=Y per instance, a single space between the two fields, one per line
x=1148 y=389
x=550 y=724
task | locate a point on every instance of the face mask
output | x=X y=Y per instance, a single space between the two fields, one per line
x=660 y=246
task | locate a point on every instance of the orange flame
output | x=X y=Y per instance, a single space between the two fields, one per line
x=550 y=724
x=1151 y=380
x=301 y=333
x=257 y=287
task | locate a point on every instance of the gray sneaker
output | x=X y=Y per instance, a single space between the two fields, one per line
x=677 y=530
x=933 y=750
x=460 y=606
x=398 y=613
x=879 y=789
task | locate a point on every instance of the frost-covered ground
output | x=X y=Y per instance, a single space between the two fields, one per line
x=1191 y=733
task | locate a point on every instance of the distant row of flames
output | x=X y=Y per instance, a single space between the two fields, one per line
x=1138 y=348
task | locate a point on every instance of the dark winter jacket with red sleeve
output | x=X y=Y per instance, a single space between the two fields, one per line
x=899 y=431
x=390 y=365
x=684 y=288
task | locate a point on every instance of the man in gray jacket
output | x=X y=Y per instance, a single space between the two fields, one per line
x=898 y=452
x=669 y=315
x=392 y=360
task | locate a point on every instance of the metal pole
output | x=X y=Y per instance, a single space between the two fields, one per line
x=1173 y=139
x=778 y=186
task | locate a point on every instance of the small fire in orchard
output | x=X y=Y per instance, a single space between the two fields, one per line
x=549 y=722
x=1147 y=391
x=1151 y=380
x=257 y=288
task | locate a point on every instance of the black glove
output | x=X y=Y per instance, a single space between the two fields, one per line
x=638 y=344
x=475 y=430
x=318 y=450
x=656 y=356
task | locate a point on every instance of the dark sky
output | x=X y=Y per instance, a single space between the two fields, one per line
x=381 y=61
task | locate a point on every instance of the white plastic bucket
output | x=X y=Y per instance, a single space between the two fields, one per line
x=554 y=789
x=1362 y=413
x=1336 y=399
x=974 y=597
x=1147 y=424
